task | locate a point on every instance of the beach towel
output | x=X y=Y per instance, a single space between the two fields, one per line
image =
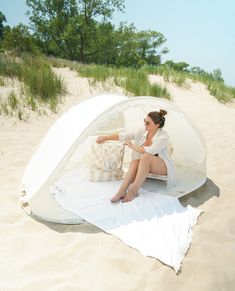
x=154 y=224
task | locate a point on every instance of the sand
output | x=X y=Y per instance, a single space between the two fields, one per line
x=36 y=255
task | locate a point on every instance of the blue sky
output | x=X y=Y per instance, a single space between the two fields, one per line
x=199 y=32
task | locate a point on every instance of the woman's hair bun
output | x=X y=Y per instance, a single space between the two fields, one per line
x=163 y=112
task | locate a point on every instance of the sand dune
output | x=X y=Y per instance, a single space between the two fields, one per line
x=38 y=255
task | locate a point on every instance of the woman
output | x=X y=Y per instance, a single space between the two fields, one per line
x=150 y=155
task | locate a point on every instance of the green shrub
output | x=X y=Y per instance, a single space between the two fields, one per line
x=170 y=75
x=13 y=101
x=157 y=90
x=41 y=85
x=217 y=88
x=2 y=82
x=135 y=81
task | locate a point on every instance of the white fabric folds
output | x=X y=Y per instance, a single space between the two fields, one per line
x=156 y=225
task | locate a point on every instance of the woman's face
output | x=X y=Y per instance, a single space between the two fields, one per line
x=149 y=124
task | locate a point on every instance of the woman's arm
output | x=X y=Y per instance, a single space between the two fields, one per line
x=134 y=147
x=122 y=136
x=103 y=138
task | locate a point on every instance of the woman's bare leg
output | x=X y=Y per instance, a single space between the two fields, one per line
x=148 y=164
x=128 y=179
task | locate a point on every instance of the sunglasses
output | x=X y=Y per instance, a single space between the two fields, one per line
x=146 y=122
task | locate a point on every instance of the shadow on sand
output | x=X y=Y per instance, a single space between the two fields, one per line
x=83 y=227
x=201 y=195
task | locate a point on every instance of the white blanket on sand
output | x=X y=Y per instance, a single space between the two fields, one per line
x=156 y=225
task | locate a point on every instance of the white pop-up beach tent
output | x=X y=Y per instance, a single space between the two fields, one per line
x=65 y=147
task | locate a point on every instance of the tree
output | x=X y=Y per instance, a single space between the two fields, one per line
x=148 y=43
x=138 y=48
x=103 y=46
x=126 y=45
x=81 y=30
x=53 y=23
x=70 y=24
x=91 y=9
x=217 y=75
x=2 y=20
x=19 y=39
x=180 y=66
x=197 y=70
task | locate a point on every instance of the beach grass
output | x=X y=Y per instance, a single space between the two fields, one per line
x=12 y=105
x=2 y=82
x=13 y=101
x=134 y=81
x=41 y=86
x=217 y=88
x=9 y=104
x=169 y=75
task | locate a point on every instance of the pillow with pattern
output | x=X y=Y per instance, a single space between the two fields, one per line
x=106 y=161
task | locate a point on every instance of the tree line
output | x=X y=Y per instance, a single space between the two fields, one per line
x=81 y=30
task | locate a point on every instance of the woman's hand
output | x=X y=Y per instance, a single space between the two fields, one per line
x=129 y=144
x=136 y=148
x=101 y=139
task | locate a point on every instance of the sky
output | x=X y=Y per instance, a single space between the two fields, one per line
x=198 y=32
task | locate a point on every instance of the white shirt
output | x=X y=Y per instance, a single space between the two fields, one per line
x=160 y=145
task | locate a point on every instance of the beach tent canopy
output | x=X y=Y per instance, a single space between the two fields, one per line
x=65 y=147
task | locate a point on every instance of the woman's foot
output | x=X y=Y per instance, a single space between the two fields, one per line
x=129 y=196
x=118 y=196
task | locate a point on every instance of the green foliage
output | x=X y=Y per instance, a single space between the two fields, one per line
x=132 y=80
x=217 y=75
x=12 y=101
x=61 y=63
x=9 y=67
x=136 y=82
x=2 y=20
x=2 y=82
x=19 y=39
x=180 y=66
x=41 y=86
x=147 y=44
x=126 y=45
x=213 y=81
x=11 y=105
x=40 y=80
x=103 y=45
x=68 y=27
x=217 y=88
x=197 y=70
x=4 y=107
x=81 y=31
x=53 y=22
x=222 y=92
x=158 y=90
x=99 y=73
x=170 y=75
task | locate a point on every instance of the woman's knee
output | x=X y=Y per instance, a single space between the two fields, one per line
x=134 y=164
x=145 y=157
